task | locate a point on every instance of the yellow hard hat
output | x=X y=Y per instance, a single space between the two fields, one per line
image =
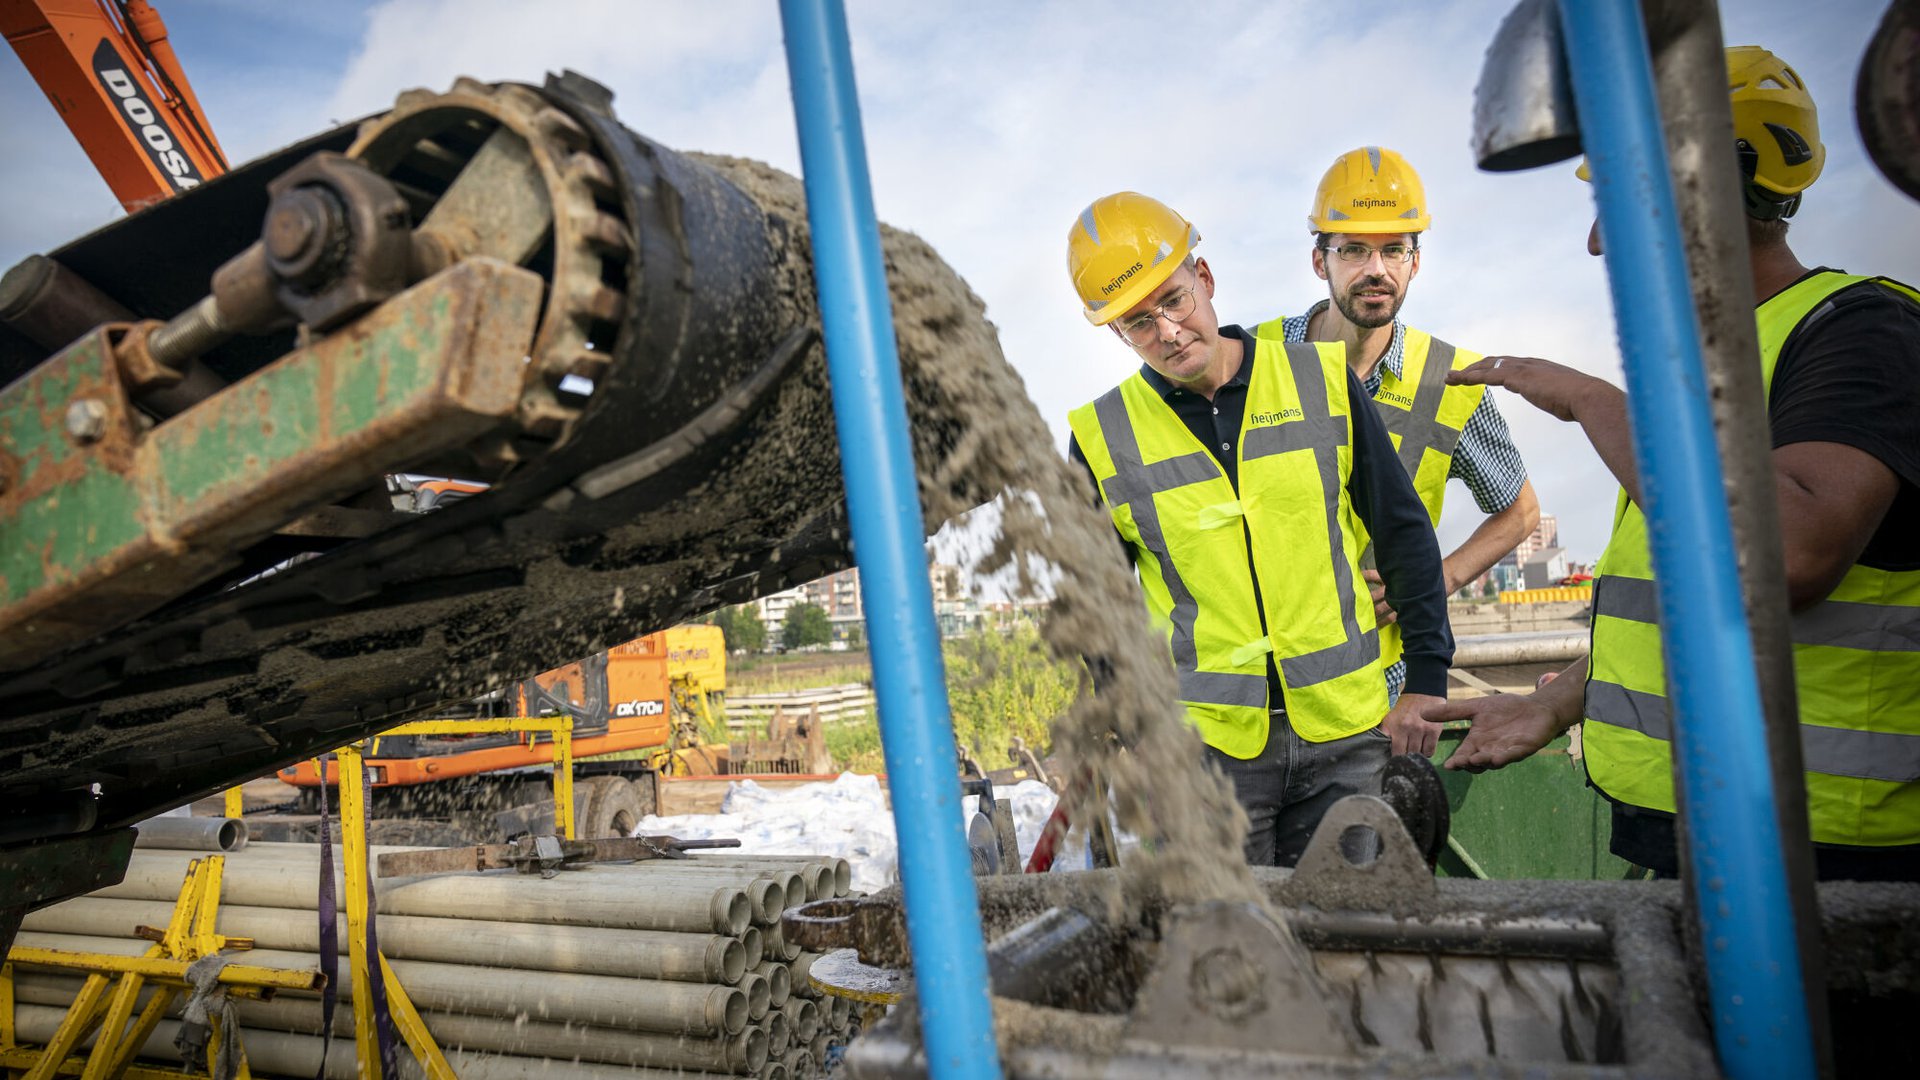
x=1775 y=121
x=1370 y=190
x=1121 y=248
x=1775 y=126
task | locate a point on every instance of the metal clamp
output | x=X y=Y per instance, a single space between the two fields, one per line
x=1361 y=858
x=1228 y=977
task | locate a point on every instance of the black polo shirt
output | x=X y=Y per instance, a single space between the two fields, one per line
x=1405 y=549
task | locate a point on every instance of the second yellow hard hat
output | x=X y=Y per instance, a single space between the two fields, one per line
x=1370 y=190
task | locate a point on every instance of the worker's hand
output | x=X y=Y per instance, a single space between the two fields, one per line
x=1506 y=728
x=1406 y=726
x=1383 y=612
x=1547 y=386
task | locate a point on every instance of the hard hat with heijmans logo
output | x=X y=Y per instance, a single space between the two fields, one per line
x=1121 y=248
x=1370 y=190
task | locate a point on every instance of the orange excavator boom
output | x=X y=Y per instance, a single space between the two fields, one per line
x=109 y=70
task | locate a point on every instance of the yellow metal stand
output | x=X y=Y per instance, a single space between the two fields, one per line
x=690 y=701
x=235 y=807
x=189 y=936
x=353 y=835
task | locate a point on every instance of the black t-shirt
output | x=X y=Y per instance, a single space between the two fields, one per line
x=1850 y=374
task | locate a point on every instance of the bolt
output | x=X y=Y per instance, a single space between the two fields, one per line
x=86 y=420
x=293 y=223
x=1226 y=983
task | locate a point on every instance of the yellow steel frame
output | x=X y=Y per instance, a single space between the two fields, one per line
x=353 y=835
x=189 y=935
x=691 y=695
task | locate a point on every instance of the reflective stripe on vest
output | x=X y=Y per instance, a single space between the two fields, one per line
x=1856 y=659
x=1836 y=751
x=1436 y=417
x=1187 y=566
x=1133 y=485
x=1425 y=431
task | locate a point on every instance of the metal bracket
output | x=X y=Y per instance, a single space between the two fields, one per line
x=1361 y=859
x=1230 y=977
x=542 y=854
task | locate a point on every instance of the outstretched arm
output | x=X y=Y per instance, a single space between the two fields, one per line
x=1598 y=406
x=1510 y=727
x=1499 y=534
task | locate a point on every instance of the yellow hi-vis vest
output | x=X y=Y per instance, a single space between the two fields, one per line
x=1200 y=547
x=1856 y=659
x=1424 y=417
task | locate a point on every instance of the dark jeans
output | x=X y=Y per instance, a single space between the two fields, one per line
x=1291 y=785
x=1647 y=838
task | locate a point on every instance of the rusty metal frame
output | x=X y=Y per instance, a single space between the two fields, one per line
x=104 y=521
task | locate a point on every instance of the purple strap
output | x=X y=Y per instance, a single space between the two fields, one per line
x=329 y=928
x=377 y=991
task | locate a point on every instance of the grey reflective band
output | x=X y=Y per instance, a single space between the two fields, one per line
x=1419 y=427
x=1839 y=624
x=1834 y=751
x=1331 y=662
x=1134 y=484
x=1323 y=433
x=1846 y=624
x=1223 y=688
x=1866 y=755
x=1630 y=598
x=1635 y=710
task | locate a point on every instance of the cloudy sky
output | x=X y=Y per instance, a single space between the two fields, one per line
x=991 y=124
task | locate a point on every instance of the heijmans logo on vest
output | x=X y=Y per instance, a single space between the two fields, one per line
x=1267 y=419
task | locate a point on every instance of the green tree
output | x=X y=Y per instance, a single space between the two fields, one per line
x=807 y=624
x=1490 y=590
x=742 y=628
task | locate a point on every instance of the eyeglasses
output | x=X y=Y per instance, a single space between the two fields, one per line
x=1358 y=253
x=1143 y=330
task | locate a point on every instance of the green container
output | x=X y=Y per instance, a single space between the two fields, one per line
x=1537 y=818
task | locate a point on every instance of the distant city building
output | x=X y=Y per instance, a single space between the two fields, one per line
x=1505 y=574
x=838 y=594
x=1544 y=568
x=1544 y=535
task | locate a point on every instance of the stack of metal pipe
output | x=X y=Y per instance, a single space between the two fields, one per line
x=670 y=965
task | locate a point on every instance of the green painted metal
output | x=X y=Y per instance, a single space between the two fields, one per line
x=1536 y=818
x=239 y=443
x=95 y=532
x=64 y=502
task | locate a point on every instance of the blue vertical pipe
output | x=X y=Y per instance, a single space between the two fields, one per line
x=883 y=502
x=1739 y=876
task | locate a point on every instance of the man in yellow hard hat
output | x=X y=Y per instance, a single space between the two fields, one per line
x=1243 y=475
x=1368 y=214
x=1840 y=355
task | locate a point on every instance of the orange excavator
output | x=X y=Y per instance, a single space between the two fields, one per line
x=638 y=711
x=108 y=69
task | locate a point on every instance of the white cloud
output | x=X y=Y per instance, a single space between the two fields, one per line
x=990 y=125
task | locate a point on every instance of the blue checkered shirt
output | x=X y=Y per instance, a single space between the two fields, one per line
x=1485 y=459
